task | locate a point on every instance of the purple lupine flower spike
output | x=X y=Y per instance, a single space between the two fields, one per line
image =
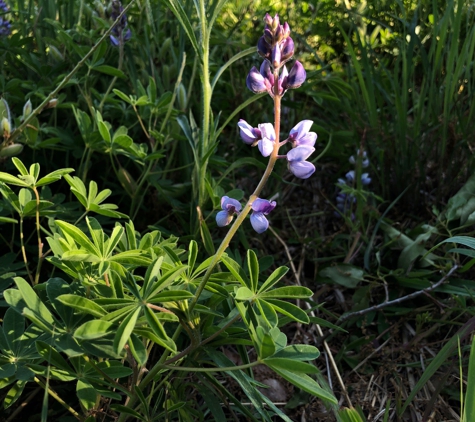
x=230 y=207
x=261 y=208
x=120 y=32
x=297 y=161
x=5 y=25
x=300 y=135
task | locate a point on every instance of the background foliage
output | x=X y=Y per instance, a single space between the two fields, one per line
x=392 y=78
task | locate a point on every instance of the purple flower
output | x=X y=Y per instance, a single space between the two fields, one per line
x=288 y=49
x=5 y=26
x=266 y=144
x=261 y=208
x=120 y=32
x=296 y=76
x=263 y=136
x=230 y=206
x=256 y=81
x=350 y=178
x=248 y=134
x=364 y=162
x=300 y=134
x=365 y=179
x=297 y=161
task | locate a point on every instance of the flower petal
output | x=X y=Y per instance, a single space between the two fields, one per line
x=263 y=206
x=255 y=81
x=301 y=169
x=296 y=77
x=246 y=131
x=223 y=218
x=267 y=131
x=227 y=203
x=266 y=147
x=300 y=153
x=301 y=129
x=259 y=222
x=308 y=139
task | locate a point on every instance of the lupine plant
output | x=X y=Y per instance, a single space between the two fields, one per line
x=136 y=321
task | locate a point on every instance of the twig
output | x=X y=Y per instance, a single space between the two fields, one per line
x=399 y=300
x=23 y=405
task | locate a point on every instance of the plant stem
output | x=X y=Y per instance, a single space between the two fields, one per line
x=23 y=251
x=58 y=399
x=38 y=233
x=114 y=79
x=66 y=79
x=206 y=104
x=247 y=208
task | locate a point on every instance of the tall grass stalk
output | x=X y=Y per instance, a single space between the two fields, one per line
x=416 y=104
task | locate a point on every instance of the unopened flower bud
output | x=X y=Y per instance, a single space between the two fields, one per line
x=288 y=49
x=268 y=36
x=268 y=19
x=27 y=109
x=52 y=103
x=297 y=76
x=6 y=127
x=263 y=48
x=286 y=30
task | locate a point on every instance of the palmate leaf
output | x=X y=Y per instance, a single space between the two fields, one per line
x=253 y=266
x=288 y=309
x=289 y=292
x=274 y=278
x=78 y=236
x=304 y=382
x=125 y=329
x=298 y=352
x=82 y=304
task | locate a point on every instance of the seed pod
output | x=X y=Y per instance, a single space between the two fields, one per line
x=55 y=54
x=11 y=150
x=166 y=76
x=127 y=181
x=166 y=47
x=181 y=96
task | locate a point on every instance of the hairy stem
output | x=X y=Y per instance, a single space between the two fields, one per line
x=38 y=234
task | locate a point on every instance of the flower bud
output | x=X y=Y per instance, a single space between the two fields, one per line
x=6 y=127
x=263 y=48
x=288 y=49
x=27 y=109
x=55 y=54
x=52 y=103
x=297 y=76
x=268 y=36
x=11 y=150
x=268 y=19
x=127 y=181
